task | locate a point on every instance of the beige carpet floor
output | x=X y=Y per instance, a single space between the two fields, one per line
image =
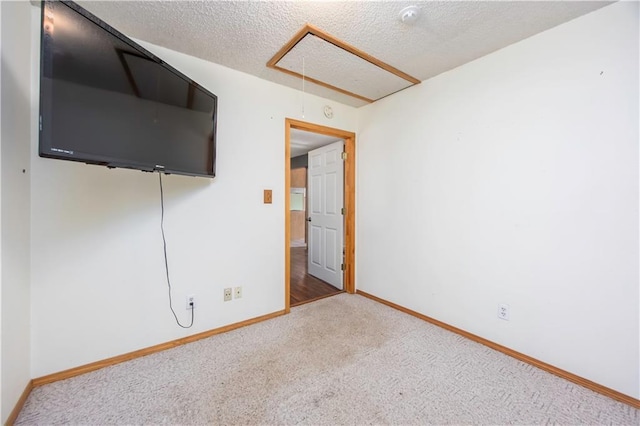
x=341 y=360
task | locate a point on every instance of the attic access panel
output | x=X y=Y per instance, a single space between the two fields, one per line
x=332 y=63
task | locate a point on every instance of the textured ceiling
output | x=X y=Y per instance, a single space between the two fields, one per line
x=245 y=35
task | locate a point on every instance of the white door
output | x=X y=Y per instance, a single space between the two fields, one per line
x=326 y=223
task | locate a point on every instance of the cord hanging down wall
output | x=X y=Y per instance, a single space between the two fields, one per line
x=166 y=262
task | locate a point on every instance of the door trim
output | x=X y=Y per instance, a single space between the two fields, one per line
x=349 y=283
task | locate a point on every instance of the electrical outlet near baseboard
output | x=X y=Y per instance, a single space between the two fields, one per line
x=503 y=312
x=191 y=301
x=227 y=294
x=237 y=292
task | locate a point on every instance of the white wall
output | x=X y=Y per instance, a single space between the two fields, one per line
x=98 y=284
x=15 y=133
x=514 y=179
x=2 y=415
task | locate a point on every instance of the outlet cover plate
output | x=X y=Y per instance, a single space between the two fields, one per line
x=503 y=312
x=191 y=298
x=227 y=294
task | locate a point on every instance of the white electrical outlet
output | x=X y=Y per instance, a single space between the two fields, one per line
x=237 y=292
x=227 y=294
x=191 y=301
x=503 y=312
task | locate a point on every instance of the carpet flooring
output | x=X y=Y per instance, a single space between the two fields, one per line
x=341 y=360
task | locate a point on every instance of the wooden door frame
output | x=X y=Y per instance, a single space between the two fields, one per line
x=349 y=283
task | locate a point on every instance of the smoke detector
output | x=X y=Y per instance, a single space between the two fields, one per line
x=409 y=15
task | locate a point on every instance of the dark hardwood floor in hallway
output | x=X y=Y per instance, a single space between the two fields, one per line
x=304 y=287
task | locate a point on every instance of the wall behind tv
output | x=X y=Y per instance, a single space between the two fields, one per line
x=514 y=179
x=15 y=131
x=98 y=285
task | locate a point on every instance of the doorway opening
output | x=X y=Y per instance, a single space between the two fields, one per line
x=317 y=222
x=328 y=247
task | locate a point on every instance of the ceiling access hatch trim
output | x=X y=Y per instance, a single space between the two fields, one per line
x=367 y=66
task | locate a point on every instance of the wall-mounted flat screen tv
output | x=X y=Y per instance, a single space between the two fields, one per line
x=106 y=100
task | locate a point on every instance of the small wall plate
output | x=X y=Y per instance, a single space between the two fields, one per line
x=328 y=111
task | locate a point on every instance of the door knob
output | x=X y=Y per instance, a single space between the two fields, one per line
x=308 y=219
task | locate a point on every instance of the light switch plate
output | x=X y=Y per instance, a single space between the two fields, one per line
x=268 y=197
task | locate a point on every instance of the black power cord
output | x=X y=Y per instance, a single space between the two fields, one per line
x=166 y=262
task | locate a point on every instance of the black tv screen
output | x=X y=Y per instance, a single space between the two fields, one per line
x=106 y=100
